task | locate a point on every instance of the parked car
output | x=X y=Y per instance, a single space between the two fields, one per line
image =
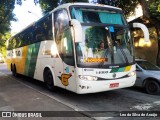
x=148 y=76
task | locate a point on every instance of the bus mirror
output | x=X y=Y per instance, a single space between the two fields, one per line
x=144 y=29
x=77 y=30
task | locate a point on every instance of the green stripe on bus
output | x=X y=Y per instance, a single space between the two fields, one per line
x=114 y=70
x=121 y=69
x=27 y=61
x=31 y=59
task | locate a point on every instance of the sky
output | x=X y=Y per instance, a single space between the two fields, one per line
x=24 y=17
x=138 y=13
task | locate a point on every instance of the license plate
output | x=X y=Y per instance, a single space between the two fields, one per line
x=113 y=85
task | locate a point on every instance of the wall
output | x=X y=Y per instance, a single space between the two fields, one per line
x=147 y=51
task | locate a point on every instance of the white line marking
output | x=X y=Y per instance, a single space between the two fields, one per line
x=102 y=118
x=146 y=106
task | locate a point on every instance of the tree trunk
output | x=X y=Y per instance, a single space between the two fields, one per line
x=155 y=23
x=158 y=38
x=144 y=8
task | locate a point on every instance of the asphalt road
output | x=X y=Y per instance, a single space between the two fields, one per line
x=123 y=104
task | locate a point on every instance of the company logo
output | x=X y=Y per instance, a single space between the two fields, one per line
x=101 y=72
x=6 y=114
x=15 y=53
x=113 y=66
x=64 y=79
x=88 y=69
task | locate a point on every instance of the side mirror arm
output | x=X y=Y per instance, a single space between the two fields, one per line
x=77 y=30
x=144 y=29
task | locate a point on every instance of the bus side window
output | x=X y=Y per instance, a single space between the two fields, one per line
x=10 y=45
x=39 y=31
x=22 y=39
x=13 y=43
x=47 y=25
x=18 y=41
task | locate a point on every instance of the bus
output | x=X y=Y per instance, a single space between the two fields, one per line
x=81 y=47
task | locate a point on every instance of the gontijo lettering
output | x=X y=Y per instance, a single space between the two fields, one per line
x=95 y=60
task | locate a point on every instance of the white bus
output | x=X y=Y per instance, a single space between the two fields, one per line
x=81 y=47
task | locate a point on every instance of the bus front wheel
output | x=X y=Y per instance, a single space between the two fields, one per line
x=48 y=79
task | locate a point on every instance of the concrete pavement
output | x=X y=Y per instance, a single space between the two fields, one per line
x=15 y=96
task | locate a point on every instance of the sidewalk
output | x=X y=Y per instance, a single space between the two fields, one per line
x=15 y=96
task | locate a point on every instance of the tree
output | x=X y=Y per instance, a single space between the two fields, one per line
x=128 y=6
x=151 y=12
x=6 y=15
x=3 y=40
x=48 y=5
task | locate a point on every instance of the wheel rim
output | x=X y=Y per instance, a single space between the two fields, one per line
x=49 y=80
x=152 y=87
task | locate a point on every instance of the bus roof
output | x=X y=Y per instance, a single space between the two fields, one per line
x=67 y=5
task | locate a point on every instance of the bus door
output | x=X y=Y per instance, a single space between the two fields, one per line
x=65 y=63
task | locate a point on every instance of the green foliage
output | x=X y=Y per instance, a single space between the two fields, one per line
x=154 y=9
x=6 y=15
x=128 y=6
x=19 y=2
x=3 y=39
x=49 y=5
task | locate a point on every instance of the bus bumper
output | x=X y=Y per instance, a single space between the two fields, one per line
x=84 y=86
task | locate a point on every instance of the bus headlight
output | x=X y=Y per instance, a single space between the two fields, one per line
x=131 y=74
x=87 y=77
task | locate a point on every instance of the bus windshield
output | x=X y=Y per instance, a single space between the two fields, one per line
x=107 y=43
x=97 y=15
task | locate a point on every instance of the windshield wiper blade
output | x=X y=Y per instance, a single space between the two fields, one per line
x=123 y=53
x=105 y=55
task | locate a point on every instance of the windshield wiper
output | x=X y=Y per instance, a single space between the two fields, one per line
x=123 y=53
x=105 y=56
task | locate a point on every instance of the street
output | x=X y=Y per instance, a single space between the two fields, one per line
x=121 y=104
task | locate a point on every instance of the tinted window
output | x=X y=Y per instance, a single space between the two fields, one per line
x=43 y=29
x=98 y=15
x=63 y=36
x=40 y=31
x=147 y=65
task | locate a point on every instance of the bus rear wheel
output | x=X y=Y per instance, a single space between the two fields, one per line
x=48 y=79
x=14 y=71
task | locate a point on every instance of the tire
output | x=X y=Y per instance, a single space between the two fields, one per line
x=14 y=71
x=11 y=67
x=48 y=79
x=152 y=87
